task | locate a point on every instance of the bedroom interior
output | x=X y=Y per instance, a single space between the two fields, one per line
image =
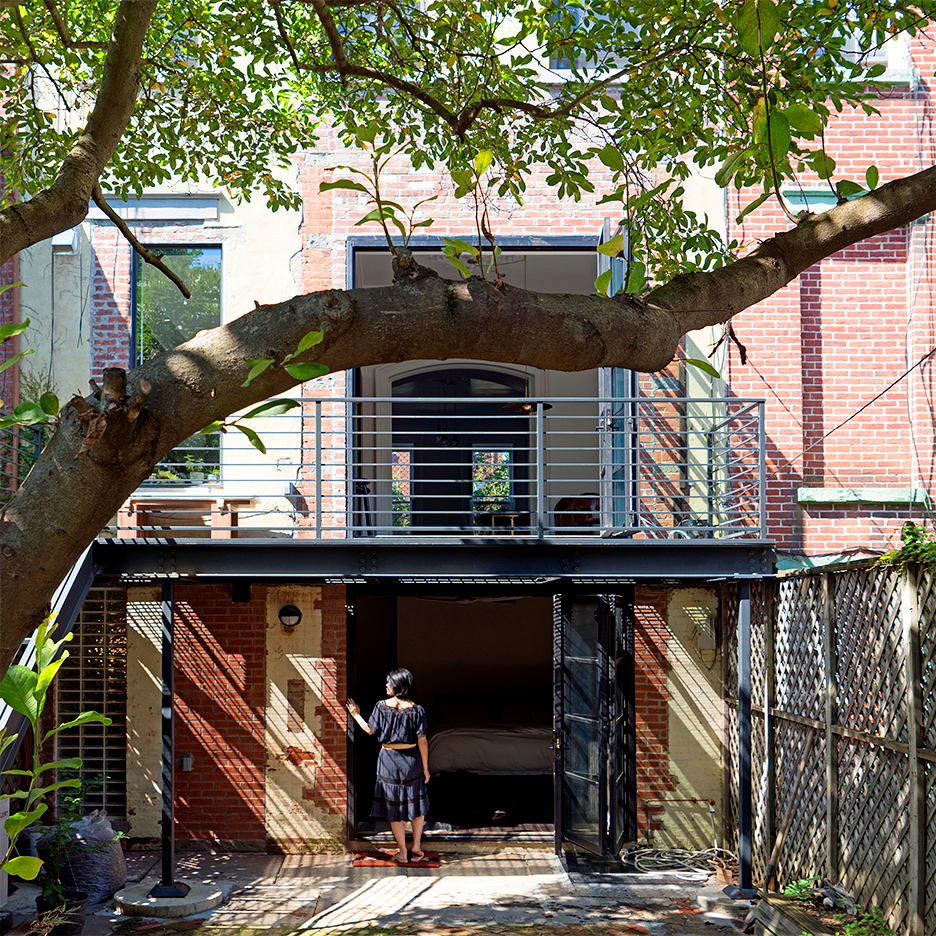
x=483 y=668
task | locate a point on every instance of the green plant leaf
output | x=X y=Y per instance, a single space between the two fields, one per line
x=23 y=820
x=612 y=158
x=847 y=189
x=217 y=425
x=758 y=23
x=257 y=367
x=272 y=408
x=18 y=688
x=459 y=247
x=779 y=135
x=803 y=119
x=49 y=403
x=344 y=184
x=823 y=164
x=459 y=266
x=636 y=278
x=309 y=371
x=255 y=440
x=309 y=340
x=752 y=206
x=47 y=674
x=16 y=328
x=616 y=247
x=729 y=167
x=83 y=719
x=703 y=366
x=71 y=763
x=9 y=362
x=482 y=161
x=603 y=282
x=23 y=866
x=871 y=177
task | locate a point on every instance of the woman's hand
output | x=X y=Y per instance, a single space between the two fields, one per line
x=353 y=707
x=427 y=775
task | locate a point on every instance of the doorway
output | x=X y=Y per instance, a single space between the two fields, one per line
x=529 y=700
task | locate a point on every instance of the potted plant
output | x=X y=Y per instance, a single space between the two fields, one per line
x=25 y=690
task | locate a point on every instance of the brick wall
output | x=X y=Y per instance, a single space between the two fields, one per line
x=651 y=637
x=836 y=337
x=219 y=688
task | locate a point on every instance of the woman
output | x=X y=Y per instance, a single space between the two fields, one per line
x=403 y=762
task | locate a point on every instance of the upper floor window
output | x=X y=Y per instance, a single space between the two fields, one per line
x=164 y=318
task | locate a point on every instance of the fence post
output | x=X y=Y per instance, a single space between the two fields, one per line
x=916 y=863
x=831 y=718
x=770 y=725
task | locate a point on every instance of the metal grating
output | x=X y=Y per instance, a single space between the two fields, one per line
x=95 y=677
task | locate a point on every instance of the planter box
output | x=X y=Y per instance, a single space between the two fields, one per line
x=779 y=915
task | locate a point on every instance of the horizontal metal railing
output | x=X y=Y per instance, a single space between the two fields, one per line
x=642 y=467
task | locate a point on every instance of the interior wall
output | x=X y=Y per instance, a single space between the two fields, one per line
x=479 y=648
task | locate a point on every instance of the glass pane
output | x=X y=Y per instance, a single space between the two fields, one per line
x=164 y=319
x=401 y=482
x=490 y=483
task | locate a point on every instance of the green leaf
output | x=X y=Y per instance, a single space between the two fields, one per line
x=367 y=134
x=803 y=119
x=459 y=247
x=483 y=161
x=752 y=206
x=729 y=167
x=703 y=366
x=823 y=164
x=255 y=440
x=847 y=189
x=758 y=23
x=47 y=674
x=779 y=135
x=17 y=689
x=17 y=328
x=343 y=184
x=616 y=247
x=636 y=278
x=83 y=719
x=612 y=158
x=9 y=362
x=257 y=368
x=459 y=266
x=306 y=371
x=603 y=282
x=871 y=177
x=272 y=408
x=23 y=866
x=71 y=763
x=49 y=403
x=22 y=820
x=213 y=427
x=309 y=340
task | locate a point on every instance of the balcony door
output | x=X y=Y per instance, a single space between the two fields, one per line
x=460 y=462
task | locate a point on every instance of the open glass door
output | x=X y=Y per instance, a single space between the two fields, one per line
x=595 y=793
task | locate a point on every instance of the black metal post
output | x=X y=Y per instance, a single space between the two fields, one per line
x=168 y=887
x=745 y=818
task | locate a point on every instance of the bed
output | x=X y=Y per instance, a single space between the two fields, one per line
x=495 y=738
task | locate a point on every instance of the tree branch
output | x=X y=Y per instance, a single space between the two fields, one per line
x=65 y=202
x=98 y=196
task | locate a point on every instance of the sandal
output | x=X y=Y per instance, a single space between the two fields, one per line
x=418 y=856
x=396 y=858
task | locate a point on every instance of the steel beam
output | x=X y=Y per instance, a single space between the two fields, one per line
x=512 y=559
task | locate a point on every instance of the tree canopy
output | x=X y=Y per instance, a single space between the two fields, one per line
x=104 y=97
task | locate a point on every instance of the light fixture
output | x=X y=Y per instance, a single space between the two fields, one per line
x=289 y=616
x=523 y=407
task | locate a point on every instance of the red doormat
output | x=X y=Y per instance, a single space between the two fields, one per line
x=386 y=860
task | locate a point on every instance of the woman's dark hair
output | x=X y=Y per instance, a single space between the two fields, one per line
x=401 y=682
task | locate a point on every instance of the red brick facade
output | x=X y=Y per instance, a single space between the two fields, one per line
x=835 y=338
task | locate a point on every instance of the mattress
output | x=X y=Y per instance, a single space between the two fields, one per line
x=492 y=749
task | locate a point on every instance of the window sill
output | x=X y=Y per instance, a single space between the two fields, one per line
x=868 y=495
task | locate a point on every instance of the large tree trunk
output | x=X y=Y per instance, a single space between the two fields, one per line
x=68 y=498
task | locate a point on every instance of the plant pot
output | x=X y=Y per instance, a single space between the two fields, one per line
x=76 y=908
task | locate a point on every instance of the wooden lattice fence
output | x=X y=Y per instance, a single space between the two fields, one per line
x=843 y=733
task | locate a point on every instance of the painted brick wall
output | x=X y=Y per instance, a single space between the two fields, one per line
x=219 y=687
x=651 y=637
x=331 y=785
x=835 y=338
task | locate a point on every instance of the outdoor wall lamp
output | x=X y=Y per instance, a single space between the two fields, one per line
x=289 y=616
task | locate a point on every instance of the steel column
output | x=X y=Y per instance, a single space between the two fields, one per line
x=745 y=814
x=167 y=887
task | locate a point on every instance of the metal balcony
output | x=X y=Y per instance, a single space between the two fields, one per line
x=436 y=468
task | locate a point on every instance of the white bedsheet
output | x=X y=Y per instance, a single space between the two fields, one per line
x=492 y=749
